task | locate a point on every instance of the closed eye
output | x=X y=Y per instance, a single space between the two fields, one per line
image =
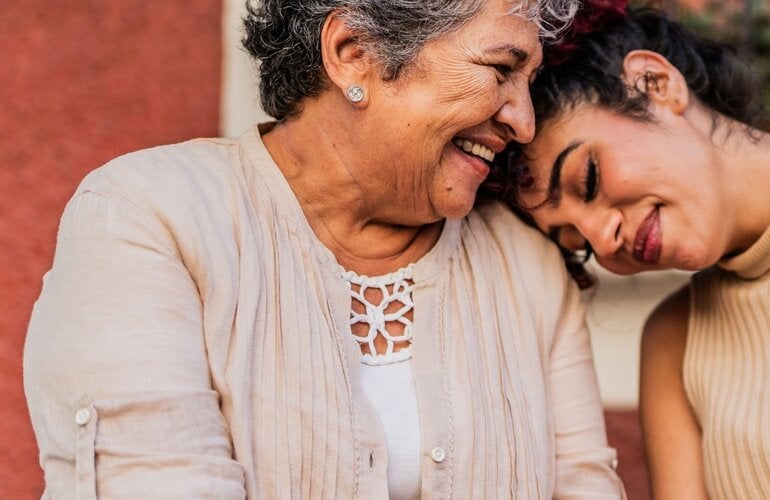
x=503 y=70
x=591 y=180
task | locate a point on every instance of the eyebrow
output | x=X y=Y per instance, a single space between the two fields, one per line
x=554 y=183
x=515 y=51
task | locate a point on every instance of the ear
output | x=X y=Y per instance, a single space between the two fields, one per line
x=345 y=61
x=652 y=74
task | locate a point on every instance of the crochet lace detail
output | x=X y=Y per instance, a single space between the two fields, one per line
x=395 y=293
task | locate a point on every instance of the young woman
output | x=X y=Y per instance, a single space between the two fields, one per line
x=651 y=150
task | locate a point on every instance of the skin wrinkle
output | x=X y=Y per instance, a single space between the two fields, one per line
x=413 y=184
x=356 y=203
x=419 y=183
x=355 y=199
x=470 y=78
x=386 y=182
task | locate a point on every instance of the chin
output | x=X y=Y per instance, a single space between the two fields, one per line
x=456 y=211
x=696 y=259
x=625 y=270
x=625 y=267
x=455 y=207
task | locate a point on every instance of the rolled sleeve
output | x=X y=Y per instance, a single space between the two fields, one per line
x=116 y=373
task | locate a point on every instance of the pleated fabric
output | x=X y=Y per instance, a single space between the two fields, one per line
x=727 y=372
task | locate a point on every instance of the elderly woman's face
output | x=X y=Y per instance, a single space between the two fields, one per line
x=446 y=118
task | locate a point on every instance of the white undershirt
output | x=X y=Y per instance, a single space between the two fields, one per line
x=390 y=389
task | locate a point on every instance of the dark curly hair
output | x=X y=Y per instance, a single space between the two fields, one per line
x=586 y=66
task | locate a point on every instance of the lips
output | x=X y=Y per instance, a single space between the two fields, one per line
x=478 y=164
x=647 y=242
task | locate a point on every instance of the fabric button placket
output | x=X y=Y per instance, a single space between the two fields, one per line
x=85 y=455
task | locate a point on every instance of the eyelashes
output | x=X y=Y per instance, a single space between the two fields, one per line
x=503 y=69
x=591 y=180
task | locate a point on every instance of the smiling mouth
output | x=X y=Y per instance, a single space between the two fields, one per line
x=648 y=242
x=474 y=149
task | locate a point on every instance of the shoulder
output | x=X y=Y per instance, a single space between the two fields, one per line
x=665 y=331
x=192 y=172
x=514 y=251
x=513 y=236
x=670 y=427
x=176 y=193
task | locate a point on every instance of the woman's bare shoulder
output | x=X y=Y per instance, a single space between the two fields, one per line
x=665 y=330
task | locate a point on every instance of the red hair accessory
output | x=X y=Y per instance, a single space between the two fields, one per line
x=592 y=16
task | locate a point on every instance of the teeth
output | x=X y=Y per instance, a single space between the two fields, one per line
x=475 y=148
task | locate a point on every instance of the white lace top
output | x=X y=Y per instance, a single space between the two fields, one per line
x=381 y=322
x=383 y=306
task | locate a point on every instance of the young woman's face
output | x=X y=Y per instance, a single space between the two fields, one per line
x=644 y=195
x=439 y=125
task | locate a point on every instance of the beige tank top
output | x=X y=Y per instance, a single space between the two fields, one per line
x=727 y=372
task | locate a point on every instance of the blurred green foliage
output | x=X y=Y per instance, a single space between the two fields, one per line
x=745 y=24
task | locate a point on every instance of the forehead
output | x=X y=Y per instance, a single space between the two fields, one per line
x=580 y=124
x=495 y=22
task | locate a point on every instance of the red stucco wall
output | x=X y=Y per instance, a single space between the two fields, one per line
x=625 y=435
x=82 y=81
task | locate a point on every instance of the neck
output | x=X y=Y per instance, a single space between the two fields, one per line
x=747 y=177
x=350 y=210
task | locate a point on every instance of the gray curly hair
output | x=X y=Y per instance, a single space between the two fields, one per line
x=284 y=37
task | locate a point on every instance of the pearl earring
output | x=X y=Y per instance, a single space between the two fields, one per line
x=354 y=93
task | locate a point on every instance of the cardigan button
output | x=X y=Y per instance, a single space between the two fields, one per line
x=82 y=416
x=438 y=454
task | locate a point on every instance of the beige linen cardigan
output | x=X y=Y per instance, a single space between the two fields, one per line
x=192 y=341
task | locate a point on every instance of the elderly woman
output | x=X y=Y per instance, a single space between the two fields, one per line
x=316 y=310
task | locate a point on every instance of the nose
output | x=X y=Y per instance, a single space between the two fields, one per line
x=602 y=230
x=517 y=114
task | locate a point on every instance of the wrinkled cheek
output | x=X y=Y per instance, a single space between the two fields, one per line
x=472 y=99
x=482 y=107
